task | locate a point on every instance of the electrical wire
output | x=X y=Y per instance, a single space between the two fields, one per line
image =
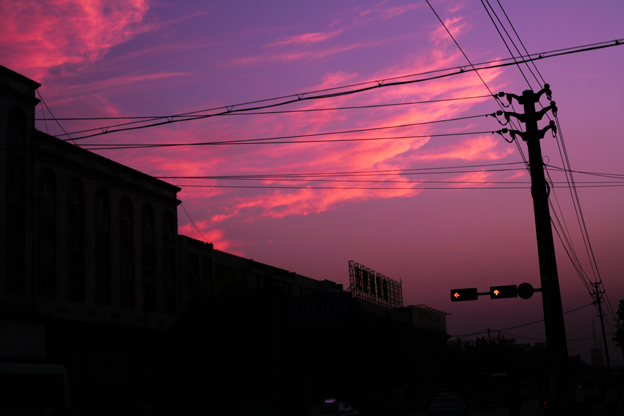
x=193 y=222
x=521 y=325
x=503 y=38
x=54 y=118
x=308 y=110
x=480 y=77
x=282 y=139
x=524 y=47
x=267 y=141
x=292 y=98
x=571 y=184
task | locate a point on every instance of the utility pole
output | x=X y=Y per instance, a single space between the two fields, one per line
x=598 y=300
x=560 y=385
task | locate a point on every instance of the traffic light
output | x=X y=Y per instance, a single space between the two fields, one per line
x=459 y=295
x=500 y=292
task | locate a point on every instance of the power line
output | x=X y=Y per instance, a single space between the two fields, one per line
x=371 y=188
x=522 y=43
x=55 y=119
x=292 y=98
x=246 y=113
x=282 y=139
x=502 y=37
x=193 y=222
x=519 y=326
x=479 y=75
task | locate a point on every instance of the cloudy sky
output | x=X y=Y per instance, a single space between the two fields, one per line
x=305 y=134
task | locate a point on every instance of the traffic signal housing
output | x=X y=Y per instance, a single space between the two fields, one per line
x=502 y=292
x=460 y=295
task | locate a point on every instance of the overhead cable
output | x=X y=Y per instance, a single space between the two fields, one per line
x=289 y=99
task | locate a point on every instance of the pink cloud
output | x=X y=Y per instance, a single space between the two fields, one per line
x=210 y=235
x=327 y=157
x=472 y=179
x=456 y=25
x=480 y=148
x=305 y=39
x=39 y=35
x=221 y=205
x=300 y=55
x=380 y=11
x=397 y=11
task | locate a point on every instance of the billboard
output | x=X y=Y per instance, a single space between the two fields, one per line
x=374 y=287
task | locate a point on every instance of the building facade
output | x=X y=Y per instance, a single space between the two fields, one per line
x=86 y=238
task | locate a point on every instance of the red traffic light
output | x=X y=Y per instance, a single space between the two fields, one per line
x=459 y=295
x=500 y=292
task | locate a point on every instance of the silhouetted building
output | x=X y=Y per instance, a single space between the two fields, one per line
x=87 y=239
x=216 y=273
x=93 y=273
x=87 y=256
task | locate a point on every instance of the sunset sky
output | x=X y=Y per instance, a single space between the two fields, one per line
x=405 y=178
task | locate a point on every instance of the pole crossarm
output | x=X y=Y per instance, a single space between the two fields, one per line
x=528 y=95
x=539 y=133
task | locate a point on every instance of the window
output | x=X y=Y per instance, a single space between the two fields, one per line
x=170 y=301
x=102 y=201
x=168 y=259
x=76 y=283
x=15 y=172
x=148 y=216
x=75 y=237
x=47 y=279
x=125 y=211
x=102 y=244
x=168 y=227
x=150 y=297
x=17 y=124
x=126 y=247
x=103 y=284
x=127 y=294
x=75 y=240
x=102 y=247
x=75 y=194
x=47 y=229
x=149 y=257
x=47 y=186
x=47 y=268
x=127 y=255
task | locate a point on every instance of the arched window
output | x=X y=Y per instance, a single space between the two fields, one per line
x=126 y=213
x=76 y=198
x=102 y=247
x=15 y=194
x=148 y=215
x=169 y=233
x=102 y=201
x=76 y=240
x=48 y=219
x=168 y=237
x=149 y=258
x=17 y=124
x=126 y=217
